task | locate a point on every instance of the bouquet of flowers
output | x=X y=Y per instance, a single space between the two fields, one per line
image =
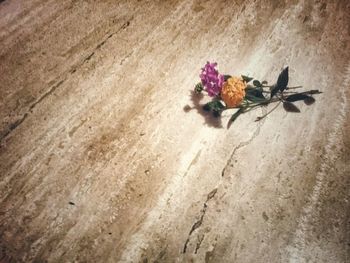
x=236 y=92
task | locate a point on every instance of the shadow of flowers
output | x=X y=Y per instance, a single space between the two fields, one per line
x=209 y=119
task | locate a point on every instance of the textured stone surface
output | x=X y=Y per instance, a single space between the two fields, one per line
x=100 y=163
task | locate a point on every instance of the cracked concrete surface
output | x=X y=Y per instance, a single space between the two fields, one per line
x=106 y=157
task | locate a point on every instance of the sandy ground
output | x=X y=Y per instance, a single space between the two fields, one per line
x=99 y=161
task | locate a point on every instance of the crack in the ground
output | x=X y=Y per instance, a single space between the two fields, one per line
x=102 y=43
x=12 y=126
x=199 y=243
x=199 y=222
x=51 y=90
x=239 y=146
x=125 y=58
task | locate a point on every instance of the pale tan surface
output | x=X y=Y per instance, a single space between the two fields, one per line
x=91 y=108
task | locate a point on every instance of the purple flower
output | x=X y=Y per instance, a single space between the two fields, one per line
x=211 y=79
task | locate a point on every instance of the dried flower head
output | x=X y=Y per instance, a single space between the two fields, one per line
x=211 y=79
x=233 y=92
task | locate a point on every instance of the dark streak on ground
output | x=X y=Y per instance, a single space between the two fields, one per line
x=101 y=44
x=199 y=222
x=14 y=125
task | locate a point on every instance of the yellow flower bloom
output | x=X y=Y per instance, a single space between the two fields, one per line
x=233 y=92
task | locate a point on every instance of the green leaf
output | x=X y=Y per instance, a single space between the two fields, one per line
x=257 y=83
x=309 y=100
x=207 y=107
x=198 y=88
x=282 y=82
x=274 y=90
x=313 y=91
x=226 y=77
x=297 y=97
x=290 y=107
x=252 y=92
x=246 y=78
x=234 y=117
x=215 y=106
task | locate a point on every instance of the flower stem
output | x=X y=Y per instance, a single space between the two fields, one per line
x=271 y=86
x=296 y=87
x=263 y=116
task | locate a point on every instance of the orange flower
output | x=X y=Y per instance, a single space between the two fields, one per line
x=233 y=92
